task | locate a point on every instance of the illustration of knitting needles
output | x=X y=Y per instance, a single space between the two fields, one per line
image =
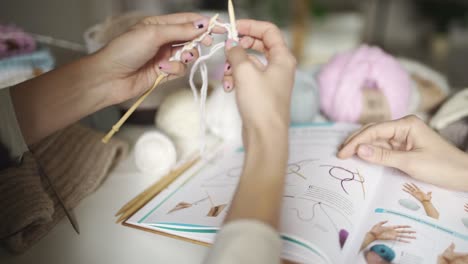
x=214 y=211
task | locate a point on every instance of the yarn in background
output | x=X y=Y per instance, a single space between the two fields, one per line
x=222 y=116
x=304 y=99
x=342 y=80
x=14 y=41
x=179 y=116
x=155 y=153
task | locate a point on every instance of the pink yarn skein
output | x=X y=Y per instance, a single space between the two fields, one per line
x=342 y=80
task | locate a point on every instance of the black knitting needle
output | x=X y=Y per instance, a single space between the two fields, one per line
x=69 y=213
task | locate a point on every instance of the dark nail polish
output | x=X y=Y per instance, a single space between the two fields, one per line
x=191 y=54
x=199 y=26
x=229 y=67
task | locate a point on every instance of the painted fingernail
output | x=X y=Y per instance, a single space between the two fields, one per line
x=227 y=86
x=202 y=23
x=230 y=43
x=164 y=66
x=187 y=57
x=365 y=151
x=227 y=67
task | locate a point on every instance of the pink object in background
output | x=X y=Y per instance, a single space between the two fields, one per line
x=14 y=41
x=342 y=80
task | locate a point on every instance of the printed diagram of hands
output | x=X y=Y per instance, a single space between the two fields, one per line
x=465 y=219
x=466 y=207
x=400 y=233
x=423 y=198
x=449 y=256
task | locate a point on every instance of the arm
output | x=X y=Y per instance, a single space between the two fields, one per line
x=431 y=211
x=260 y=189
x=125 y=68
x=263 y=95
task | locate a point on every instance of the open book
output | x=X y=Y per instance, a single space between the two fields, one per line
x=333 y=211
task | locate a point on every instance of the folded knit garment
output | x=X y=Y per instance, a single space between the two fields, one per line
x=75 y=161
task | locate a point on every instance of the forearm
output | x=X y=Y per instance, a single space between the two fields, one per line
x=369 y=238
x=56 y=99
x=260 y=190
x=431 y=211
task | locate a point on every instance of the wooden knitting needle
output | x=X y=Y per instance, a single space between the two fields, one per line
x=132 y=109
x=232 y=20
x=139 y=201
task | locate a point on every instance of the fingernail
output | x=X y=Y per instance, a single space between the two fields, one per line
x=365 y=151
x=227 y=67
x=187 y=57
x=227 y=86
x=202 y=23
x=230 y=43
x=164 y=66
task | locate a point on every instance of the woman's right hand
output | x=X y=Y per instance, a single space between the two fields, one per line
x=409 y=145
x=263 y=92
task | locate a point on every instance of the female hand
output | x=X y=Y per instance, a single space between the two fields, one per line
x=451 y=257
x=409 y=145
x=132 y=61
x=414 y=191
x=263 y=92
x=398 y=232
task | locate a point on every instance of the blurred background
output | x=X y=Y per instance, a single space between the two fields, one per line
x=434 y=32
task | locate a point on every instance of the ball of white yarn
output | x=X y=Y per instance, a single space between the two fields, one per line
x=222 y=116
x=155 y=153
x=179 y=116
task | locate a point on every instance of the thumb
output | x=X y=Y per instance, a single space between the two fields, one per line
x=236 y=56
x=381 y=156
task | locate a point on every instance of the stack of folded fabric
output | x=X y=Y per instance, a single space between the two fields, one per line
x=20 y=56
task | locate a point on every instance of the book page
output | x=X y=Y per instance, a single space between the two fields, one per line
x=324 y=197
x=414 y=223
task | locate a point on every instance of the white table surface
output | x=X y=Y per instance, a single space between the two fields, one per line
x=101 y=239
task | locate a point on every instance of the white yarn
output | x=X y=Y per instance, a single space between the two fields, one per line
x=155 y=153
x=222 y=116
x=200 y=63
x=179 y=116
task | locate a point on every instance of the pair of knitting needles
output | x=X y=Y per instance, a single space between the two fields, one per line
x=190 y=45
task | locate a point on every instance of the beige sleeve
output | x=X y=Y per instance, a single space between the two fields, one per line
x=10 y=132
x=247 y=242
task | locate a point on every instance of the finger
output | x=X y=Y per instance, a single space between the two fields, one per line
x=415 y=187
x=178 y=18
x=382 y=223
x=272 y=39
x=256 y=61
x=382 y=156
x=406 y=231
x=227 y=69
x=406 y=237
x=189 y=56
x=403 y=240
x=357 y=132
x=238 y=58
x=228 y=84
x=207 y=41
x=400 y=226
x=172 y=67
x=252 y=43
x=409 y=187
x=178 y=32
x=367 y=135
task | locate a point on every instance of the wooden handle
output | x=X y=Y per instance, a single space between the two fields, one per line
x=130 y=111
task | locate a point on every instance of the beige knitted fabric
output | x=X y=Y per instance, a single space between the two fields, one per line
x=75 y=161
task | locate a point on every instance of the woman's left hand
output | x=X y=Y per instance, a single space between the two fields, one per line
x=132 y=61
